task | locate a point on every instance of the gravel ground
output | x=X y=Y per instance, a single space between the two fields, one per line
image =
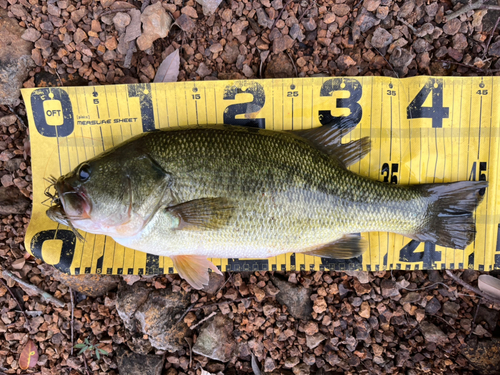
x=379 y=323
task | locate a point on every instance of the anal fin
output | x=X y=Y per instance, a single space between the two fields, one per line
x=194 y=269
x=349 y=246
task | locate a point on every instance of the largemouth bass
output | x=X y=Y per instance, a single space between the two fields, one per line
x=236 y=192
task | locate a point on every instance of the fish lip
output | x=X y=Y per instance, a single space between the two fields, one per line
x=74 y=200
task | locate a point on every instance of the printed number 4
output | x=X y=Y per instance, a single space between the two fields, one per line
x=437 y=112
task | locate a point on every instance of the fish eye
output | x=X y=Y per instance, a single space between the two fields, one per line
x=84 y=172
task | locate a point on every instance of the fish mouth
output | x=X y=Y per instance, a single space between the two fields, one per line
x=68 y=204
x=74 y=200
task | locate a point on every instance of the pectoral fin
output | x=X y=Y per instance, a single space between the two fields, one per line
x=349 y=246
x=203 y=214
x=194 y=269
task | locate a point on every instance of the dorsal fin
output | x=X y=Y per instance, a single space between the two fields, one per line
x=328 y=139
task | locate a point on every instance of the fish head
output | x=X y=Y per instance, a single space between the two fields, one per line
x=116 y=193
x=97 y=197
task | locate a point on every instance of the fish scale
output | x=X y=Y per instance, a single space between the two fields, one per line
x=234 y=192
x=302 y=199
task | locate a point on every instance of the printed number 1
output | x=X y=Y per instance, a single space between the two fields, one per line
x=437 y=112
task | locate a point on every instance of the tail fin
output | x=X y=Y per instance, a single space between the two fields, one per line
x=451 y=222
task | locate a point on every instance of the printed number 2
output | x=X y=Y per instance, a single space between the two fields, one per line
x=248 y=108
x=437 y=112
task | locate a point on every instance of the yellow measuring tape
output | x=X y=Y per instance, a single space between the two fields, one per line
x=423 y=130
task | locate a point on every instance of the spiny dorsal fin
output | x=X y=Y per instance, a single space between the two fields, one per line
x=328 y=139
x=349 y=246
x=203 y=214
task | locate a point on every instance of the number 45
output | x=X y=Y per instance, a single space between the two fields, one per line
x=437 y=112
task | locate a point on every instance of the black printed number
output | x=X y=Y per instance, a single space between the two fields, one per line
x=196 y=96
x=65 y=237
x=143 y=92
x=291 y=94
x=390 y=172
x=355 y=90
x=482 y=92
x=482 y=174
x=437 y=112
x=246 y=109
x=391 y=92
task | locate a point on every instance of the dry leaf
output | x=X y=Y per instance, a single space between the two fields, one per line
x=168 y=71
x=489 y=285
x=209 y=6
x=255 y=365
x=29 y=356
x=18 y=263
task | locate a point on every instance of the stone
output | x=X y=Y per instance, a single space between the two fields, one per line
x=209 y=6
x=269 y=365
x=129 y=298
x=282 y=43
x=216 y=48
x=381 y=38
x=215 y=282
x=363 y=22
x=341 y=10
x=15 y=59
x=400 y=59
x=329 y=18
x=185 y=23
x=312 y=341
x=263 y=19
x=295 y=298
x=203 y=70
x=247 y=71
x=239 y=26
x=421 y=46
x=371 y=5
x=451 y=309
x=362 y=276
x=452 y=26
x=92 y=285
x=382 y=12
x=411 y=297
x=130 y=363
x=215 y=340
x=309 y=24
x=389 y=288
x=433 y=306
x=155 y=25
x=432 y=333
x=490 y=316
x=291 y=362
x=480 y=330
x=279 y=66
x=158 y=318
x=302 y=369
x=494 y=49
x=189 y=11
x=296 y=32
x=455 y=54
x=31 y=35
x=121 y=20
x=406 y=8
x=365 y=310
x=12 y=201
x=231 y=52
x=311 y=328
x=484 y=355
x=460 y=42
